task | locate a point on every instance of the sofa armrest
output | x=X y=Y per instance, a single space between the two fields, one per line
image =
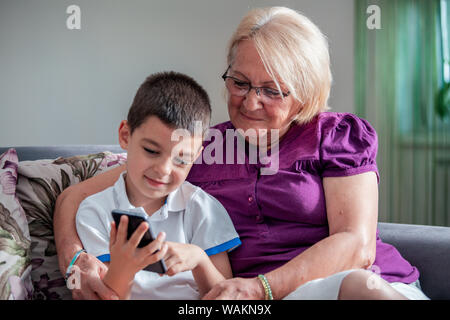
x=428 y=249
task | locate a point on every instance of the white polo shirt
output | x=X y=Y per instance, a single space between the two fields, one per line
x=190 y=215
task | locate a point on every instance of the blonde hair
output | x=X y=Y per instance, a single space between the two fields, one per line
x=292 y=50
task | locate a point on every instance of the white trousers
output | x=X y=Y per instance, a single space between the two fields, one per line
x=328 y=288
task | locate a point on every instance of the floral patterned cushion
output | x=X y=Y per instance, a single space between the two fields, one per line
x=15 y=263
x=39 y=184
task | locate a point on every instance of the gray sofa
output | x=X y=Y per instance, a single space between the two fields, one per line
x=426 y=247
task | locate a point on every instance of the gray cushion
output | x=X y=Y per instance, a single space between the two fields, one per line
x=53 y=152
x=427 y=248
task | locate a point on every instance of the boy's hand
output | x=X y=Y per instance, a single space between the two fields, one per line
x=126 y=256
x=183 y=257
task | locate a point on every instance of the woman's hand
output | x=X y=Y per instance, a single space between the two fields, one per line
x=91 y=287
x=237 y=289
x=183 y=257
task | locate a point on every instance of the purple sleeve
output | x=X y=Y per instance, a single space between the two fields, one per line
x=348 y=147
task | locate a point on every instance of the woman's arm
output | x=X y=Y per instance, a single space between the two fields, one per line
x=352 y=212
x=67 y=240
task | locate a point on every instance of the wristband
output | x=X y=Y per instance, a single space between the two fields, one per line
x=267 y=290
x=74 y=259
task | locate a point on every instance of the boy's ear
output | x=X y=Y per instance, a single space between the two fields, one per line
x=124 y=134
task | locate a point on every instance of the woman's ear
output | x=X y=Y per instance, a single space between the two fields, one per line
x=124 y=134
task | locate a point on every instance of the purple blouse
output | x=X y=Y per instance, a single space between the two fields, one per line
x=279 y=216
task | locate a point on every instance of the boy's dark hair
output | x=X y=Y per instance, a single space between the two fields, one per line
x=176 y=99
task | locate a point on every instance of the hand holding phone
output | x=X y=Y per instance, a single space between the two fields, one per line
x=135 y=219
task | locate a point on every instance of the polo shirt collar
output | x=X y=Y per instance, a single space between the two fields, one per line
x=174 y=202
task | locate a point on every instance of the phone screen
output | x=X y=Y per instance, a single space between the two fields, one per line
x=134 y=221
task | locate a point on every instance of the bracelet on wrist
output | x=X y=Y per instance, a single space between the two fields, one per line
x=72 y=263
x=266 y=285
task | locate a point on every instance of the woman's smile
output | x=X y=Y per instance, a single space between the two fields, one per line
x=250 y=117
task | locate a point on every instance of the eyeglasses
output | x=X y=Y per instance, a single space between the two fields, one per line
x=240 y=88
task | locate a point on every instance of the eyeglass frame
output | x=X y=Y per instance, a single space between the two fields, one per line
x=250 y=87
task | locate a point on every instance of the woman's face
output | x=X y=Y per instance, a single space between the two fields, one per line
x=249 y=112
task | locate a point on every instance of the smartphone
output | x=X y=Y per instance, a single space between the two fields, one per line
x=134 y=221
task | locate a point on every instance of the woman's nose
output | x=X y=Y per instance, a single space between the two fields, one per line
x=252 y=100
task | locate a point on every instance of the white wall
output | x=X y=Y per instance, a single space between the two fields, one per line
x=60 y=86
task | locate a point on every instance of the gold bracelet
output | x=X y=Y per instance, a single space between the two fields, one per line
x=267 y=289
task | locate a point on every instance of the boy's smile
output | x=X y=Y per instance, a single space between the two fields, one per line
x=155 y=183
x=157 y=163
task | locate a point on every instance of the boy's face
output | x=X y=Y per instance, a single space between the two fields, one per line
x=156 y=165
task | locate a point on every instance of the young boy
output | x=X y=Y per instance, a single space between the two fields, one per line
x=195 y=224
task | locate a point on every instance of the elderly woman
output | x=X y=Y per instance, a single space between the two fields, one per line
x=314 y=216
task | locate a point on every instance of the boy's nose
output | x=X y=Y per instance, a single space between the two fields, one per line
x=163 y=167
